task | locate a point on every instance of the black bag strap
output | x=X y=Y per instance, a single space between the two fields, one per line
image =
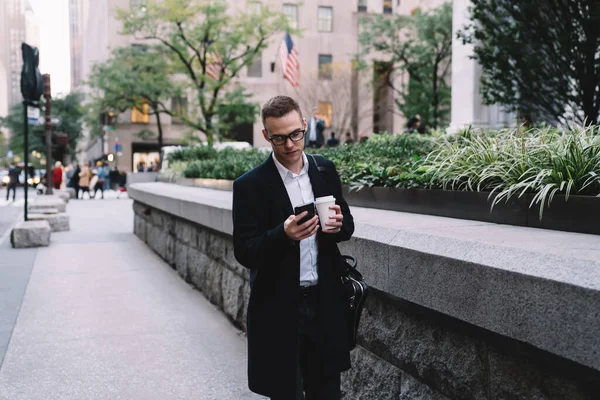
x=320 y=161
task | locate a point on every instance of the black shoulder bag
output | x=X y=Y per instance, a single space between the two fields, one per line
x=353 y=281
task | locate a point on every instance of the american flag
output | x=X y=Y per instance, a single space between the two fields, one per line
x=290 y=64
x=213 y=65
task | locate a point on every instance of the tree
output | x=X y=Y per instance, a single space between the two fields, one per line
x=539 y=58
x=210 y=45
x=68 y=109
x=412 y=55
x=134 y=77
x=3 y=150
x=338 y=92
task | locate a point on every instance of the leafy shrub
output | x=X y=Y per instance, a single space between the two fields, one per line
x=383 y=160
x=227 y=164
x=193 y=153
x=540 y=161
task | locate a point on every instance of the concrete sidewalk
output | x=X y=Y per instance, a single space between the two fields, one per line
x=103 y=317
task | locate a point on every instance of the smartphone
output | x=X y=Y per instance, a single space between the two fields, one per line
x=310 y=207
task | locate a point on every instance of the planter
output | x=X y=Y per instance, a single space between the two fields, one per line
x=219 y=184
x=578 y=214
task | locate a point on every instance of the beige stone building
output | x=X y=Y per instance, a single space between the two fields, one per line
x=328 y=43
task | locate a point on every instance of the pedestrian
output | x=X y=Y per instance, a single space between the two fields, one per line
x=84 y=181
x=314 y=135
x=13 y=180
x=332 y=141
x=296 y=329
x=69 y=171
x=349 y=139
x=101 y=180
x=107 y=174
x=75 y=180
x=57 y=175
x=140 y=166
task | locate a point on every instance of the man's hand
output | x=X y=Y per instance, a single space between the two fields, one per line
x=334 y=220
x=302 y=231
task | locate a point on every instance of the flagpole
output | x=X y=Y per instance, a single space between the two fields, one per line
x=278 y=57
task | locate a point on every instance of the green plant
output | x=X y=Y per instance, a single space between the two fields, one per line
x=383 y=160
x=193 y=153
x=227 y=164
x=540 y=161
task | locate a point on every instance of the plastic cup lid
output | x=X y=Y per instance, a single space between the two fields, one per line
x=325 y=199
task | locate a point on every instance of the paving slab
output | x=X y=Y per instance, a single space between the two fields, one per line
x=103 y=317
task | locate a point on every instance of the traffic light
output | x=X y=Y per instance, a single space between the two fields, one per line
x=32 y=83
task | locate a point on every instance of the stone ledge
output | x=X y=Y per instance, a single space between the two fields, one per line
x=59 y=222
x=30 y=234
x=51 y=202
x=536 y=286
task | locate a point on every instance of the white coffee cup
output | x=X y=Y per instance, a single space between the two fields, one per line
x=323 y=204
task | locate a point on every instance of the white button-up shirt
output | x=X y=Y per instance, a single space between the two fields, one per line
x=299 y=190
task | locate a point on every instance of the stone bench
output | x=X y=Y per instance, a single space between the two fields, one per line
x=30 y=234
x=46 y=211
x=42 y=203
x=65 y=196
x=59 y=222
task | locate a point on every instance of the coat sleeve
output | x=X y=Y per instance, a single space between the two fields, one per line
x=348 y=223
x=255 y=248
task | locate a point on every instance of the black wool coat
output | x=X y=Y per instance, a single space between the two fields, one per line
x=260 y=207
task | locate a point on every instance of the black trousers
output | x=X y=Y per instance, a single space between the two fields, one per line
x=311 y=384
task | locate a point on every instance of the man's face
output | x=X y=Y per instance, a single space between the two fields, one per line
x=316 y=113
x=289 y=152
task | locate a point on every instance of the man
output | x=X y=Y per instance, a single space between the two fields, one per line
x=333 y=141
x=75 y=180
x=13 y=176
x=314 y=135
x=57 y=175
x=297 y=340
x=349 y=139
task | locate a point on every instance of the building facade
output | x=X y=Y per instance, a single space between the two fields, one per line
x=328 y=43
x=467 y=103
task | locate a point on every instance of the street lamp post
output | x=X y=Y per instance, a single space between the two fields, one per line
x=48 y=97
x=31 y=89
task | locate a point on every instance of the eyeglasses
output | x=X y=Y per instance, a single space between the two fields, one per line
x=279 y=140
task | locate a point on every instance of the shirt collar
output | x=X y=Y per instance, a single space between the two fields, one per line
x=284 y=172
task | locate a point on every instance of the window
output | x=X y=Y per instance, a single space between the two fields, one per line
x=387 y=6
x=179 y=107
x=291 y=10
x=255 y=69
x=140 y=117
x=325 y=66
x=362 y=5
x=254 y=7
x=325 y=19
x=326 y=110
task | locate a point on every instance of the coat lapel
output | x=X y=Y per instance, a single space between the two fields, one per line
x=279 y=194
